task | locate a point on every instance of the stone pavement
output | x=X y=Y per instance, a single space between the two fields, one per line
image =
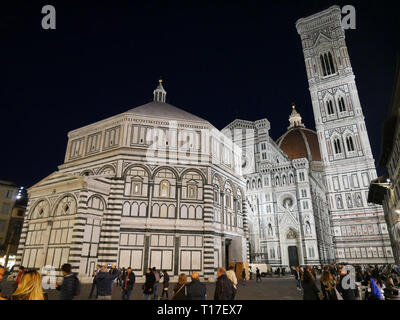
x=283 y=288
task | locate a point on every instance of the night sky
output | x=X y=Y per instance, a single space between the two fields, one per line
x=220 y=60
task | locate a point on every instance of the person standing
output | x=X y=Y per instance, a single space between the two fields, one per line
x=244 y=276
x=127 y=283
x=328 y=286
x=98 y=267
x=258 y=275
x=232 y=276
x=20 y=273
x=165 y=284
x=180 y=288
x=148 y=285
x=224 y=289
x=310 y=290
x=297 y=276
x=29 y=287
x=156 y=283
x=196 y=290
x=70 y=286
x=104 y=282
x=346 y=293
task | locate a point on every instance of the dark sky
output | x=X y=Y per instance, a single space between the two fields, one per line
x=218 y=59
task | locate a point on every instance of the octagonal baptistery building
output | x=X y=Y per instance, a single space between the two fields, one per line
x=154 y=186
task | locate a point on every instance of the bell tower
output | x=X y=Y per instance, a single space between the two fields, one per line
x=359 y=228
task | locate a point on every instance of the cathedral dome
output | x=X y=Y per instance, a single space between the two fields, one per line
x=160 y=109
x=164 y=110
x=298 y=141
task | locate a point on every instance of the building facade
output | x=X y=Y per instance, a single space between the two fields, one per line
x=8 y=195
x=152 y=187
x=288 y=213
x=359 y=228
x=386 y=189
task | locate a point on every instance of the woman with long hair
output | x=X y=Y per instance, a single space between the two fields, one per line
x=328 y=286
x=29 y=287
x=310 y=290
x=180 y=287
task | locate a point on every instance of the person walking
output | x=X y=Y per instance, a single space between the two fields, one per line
x=258 y=275
x=70 y=286
x=232 y=276
x=297 y=277
x=224 y=289
x=98 y=267
x=148 y=285
x=196 y=290
x=127 y=283
x=180 y=288
x=104 y=282
x=156 y=283
x=29 y=287
x=165 y=284
x=244 y=276
x=310 y=290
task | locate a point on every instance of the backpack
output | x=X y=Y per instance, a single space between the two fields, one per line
x=77 y=286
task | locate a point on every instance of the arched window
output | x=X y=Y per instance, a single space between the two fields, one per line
x=329 y=107
x=308 y=228
x=284 y=180
x=164 y=189
x=277 y=182
x=350 y=144
x=342 y=106
x=259 y=183
x=338 y=148
x=270 y=232
x=331 y=64
x=327 y=64
x=136 y=186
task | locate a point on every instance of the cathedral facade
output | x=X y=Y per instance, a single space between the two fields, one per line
x=159 y=187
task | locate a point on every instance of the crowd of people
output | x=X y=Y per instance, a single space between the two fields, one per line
x=338 y=282
x=29 y=284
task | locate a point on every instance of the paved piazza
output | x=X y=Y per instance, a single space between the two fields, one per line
x=283 y=288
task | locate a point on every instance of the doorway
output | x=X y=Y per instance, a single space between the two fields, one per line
x=293 y=256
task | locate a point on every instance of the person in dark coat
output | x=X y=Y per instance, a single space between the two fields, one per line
x=196 y=290
x=348 y=293
x=244 y=276
x=180 y=288
x=127 y=283
x=148 y=285
x=98 y=267
x=258 y=275
x=310 y=290
x=104 y=282
x=224 y=289
x=165 y=284
x=70 y=283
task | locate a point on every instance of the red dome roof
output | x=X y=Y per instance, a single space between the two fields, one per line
x=299 y=142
